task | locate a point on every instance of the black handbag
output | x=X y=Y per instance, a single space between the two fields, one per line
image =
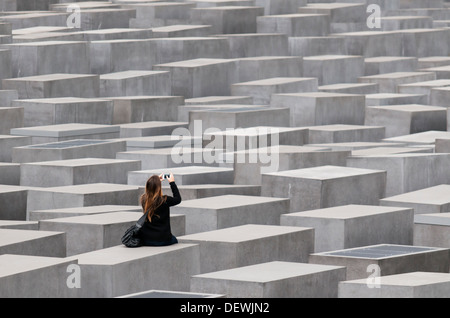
x=131 y=236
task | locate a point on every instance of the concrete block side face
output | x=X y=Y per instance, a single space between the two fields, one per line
x=356 y=267
x=13 y=205
x=304 y=194
x=45 y=176
x=431 y=235
x=386 y=228
x=96 y=281
x=50 y=246
x=45 y=282
x=197 y=220
x=348 y=289
x=363 y=189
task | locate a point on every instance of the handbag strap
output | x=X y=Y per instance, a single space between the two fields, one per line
x=141 y=220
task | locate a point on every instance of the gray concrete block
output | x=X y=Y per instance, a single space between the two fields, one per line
x=71 y=131
x=424 y=42
x=132 y=83
x=152 y=293
x=442 y=146
x=221 y=119
x=281 y=158
x=272 y=7
x=184 y=111
x=217 y=100
x=255 y=137
x=272 y=280
x=424 y=201
x=333 y=69
x=261 y=90
x=160 y=141
x=10 y=118
x=175 y=31
x=76 y=171
x=198 y=191
x=350 y=226
x=442 y=72
x=350 y=88
x=47 y=57
x=13 y=201
x=21 y=20
x=251 y=244
x=295 y=24
x=105 y=18
x=177 y=156
x=81 y=195
x=389 y=82
x=156 y=14
x=383 y=99
x=185 y=175
x=424 y=88
x=394 y=23
x=400 y=120
x=407 y=172
x=372 y=43
x=115 y=34
x=132 y=109
x=26 y=276
x=19 y=225
x=325 y=186
x=432 y=61
x=64 y=150
x=266 y=67
x=345 y=133
x=176 y=49
x=406 y=285
x=391 y=259
x=65 y=110
x=389 y=64
x=432 y=229
x=9 y=173
x=257 y=44
x=7 y=96
x=201 y=77
x=225 y=211
x=390 y=150
x=321 y=108
x=6 y=70
x=316 y=45
x=229 y=19
x=54 y=85
x=105 y=272
x=39 y=215
x=98 y=231
x=31 y=242
x=112 y=56
x=356 y=145
x=150 y=128
x=420 y=139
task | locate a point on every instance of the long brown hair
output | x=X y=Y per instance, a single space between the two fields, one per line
x=153 y=196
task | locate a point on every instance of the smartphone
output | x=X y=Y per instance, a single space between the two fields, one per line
x=166 y=176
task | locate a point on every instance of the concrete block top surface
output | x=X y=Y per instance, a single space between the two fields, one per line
x=88 y=188
x=330 y=57
x=122 y=254
x=99 y=219
x=18 y=224
x=13 y=236
x=381 y=251
x=227 y=201
x=413 y=108
x=324 y=173
x=62 y=100
x=196 y=63
x=152 y=124
x=441 y=219
x=129 y=74
x=439 y=194
x=243 y=233
x=433 y=83
x=72 y=163
x=387 y=151
x=51 y=77
x=276 y=81
x=267 y=272
x=15 y=264
x=397 y=75
x=340 y=127
x=255 y=131
x=12 y=188
x=95 y=209
x=65 y=130
x=411 y=279
x=347 y=211
x=284 y=149
x=427 y=137
x=69 y=144
x=319 y=95
x=188 y=170
x=46 y=43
